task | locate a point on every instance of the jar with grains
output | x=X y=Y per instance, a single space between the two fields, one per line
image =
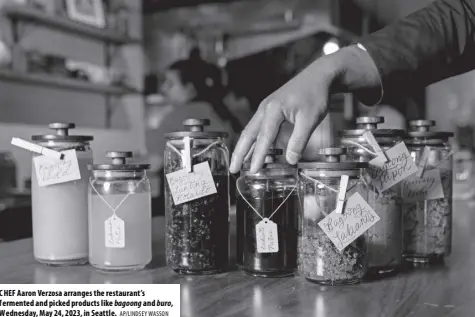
x=319 y=260
x=59 y=211
x=428 y=223
x=197 y=233
x=269 y=195
x=120 y=215
x=385 y=237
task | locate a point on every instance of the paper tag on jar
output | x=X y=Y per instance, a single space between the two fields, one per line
x=267 y=240
x=51 y=171
x=357 y=217
x=114 y=232
x=427 y=187
x=386 y=174
x=185 y=186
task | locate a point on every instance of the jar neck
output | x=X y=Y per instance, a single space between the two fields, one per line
x=270 y=173
x=119 y=175
x=353 y=173
x=195 y=143
x=65 y=145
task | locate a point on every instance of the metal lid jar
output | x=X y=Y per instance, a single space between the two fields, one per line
x=59 y=210
x=197 y=236
x=428 y=223
x=319 y=260
x=267 y=218
x=385 y=237
x=120 y=214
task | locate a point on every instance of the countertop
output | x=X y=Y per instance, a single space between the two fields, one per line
x=447 y=290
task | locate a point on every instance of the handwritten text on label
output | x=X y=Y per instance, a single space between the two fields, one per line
x=185 y=186
x=266 y=236
x=428 y=187
x=51 y=171
x=114 y=232
x=357 y=217
x=386 y=174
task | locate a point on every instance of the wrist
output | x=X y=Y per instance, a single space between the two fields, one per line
x=357 y=72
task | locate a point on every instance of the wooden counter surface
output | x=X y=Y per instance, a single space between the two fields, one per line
x=448 y=290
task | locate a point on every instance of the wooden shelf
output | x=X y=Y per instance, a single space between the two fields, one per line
x=64 y=83
x=26 y=13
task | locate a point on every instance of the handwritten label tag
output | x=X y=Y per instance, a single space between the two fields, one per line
x=427 y=187
x=51 y=171
x=266 y=236
x=386 y=174
x=343 y=229
x=185 y=186
x=114 y=232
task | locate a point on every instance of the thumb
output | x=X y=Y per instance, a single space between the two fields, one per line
x=303 y=128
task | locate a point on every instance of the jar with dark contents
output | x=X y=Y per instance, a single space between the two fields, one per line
x=197 y=233
x=269 y=195
x=428 y=223
x=385 y=237
x=319 y=260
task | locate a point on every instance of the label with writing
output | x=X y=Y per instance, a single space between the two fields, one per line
x=400 y=165
x=427 y=187
x=51 y=171
x=185 y=186
x=267 y=240
x=114 y=232
x=343 y=229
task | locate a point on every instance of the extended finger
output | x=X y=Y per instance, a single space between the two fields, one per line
x=245 y=142
x=269 y=129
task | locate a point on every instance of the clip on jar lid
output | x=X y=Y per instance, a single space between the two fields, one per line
x=195 y=129
x=421 y=129
x=62 y=134
x=119 y=163
x=270 y=161
x=332 y=161
x=364 y=124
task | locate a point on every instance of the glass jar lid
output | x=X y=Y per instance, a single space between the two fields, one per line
x=332 y=161
x=195 y=129
x=364 y=124
x=62 y=134
x=421 y=129
x=271 y=164
x=119 y=163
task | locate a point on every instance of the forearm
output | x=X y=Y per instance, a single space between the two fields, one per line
x=432 y=44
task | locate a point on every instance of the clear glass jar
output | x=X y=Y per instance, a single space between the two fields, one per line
x=428 y=224
x=269 y=194
x=120 y=215
x=385 y=237
x=319 y=260
x=59 y=211
x=197 y=234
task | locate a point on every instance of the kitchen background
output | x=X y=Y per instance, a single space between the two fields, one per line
x=100 y=64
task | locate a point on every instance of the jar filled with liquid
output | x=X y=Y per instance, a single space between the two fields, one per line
x=120 y=215
x=59 y=211
x=319 y=260
x=428 y=223
x=385 y=237
x=267 y=219
x=197 y=199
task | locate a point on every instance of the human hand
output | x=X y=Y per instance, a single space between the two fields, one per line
x=302 y=102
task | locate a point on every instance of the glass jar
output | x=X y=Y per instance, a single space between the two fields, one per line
x=319 y=260
x=268 y=195
x=197 y=234
x=120 y=215
x=59 y=211
x=428 y=224
x=385 y=237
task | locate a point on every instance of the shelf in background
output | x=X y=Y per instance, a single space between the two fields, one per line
x=35 y=15
x=64 y=83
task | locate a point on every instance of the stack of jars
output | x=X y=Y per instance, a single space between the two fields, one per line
x=103 y=218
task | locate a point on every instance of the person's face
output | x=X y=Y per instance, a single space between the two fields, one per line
x=174 y=89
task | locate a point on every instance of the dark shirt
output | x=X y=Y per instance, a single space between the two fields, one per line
x=427 y=46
